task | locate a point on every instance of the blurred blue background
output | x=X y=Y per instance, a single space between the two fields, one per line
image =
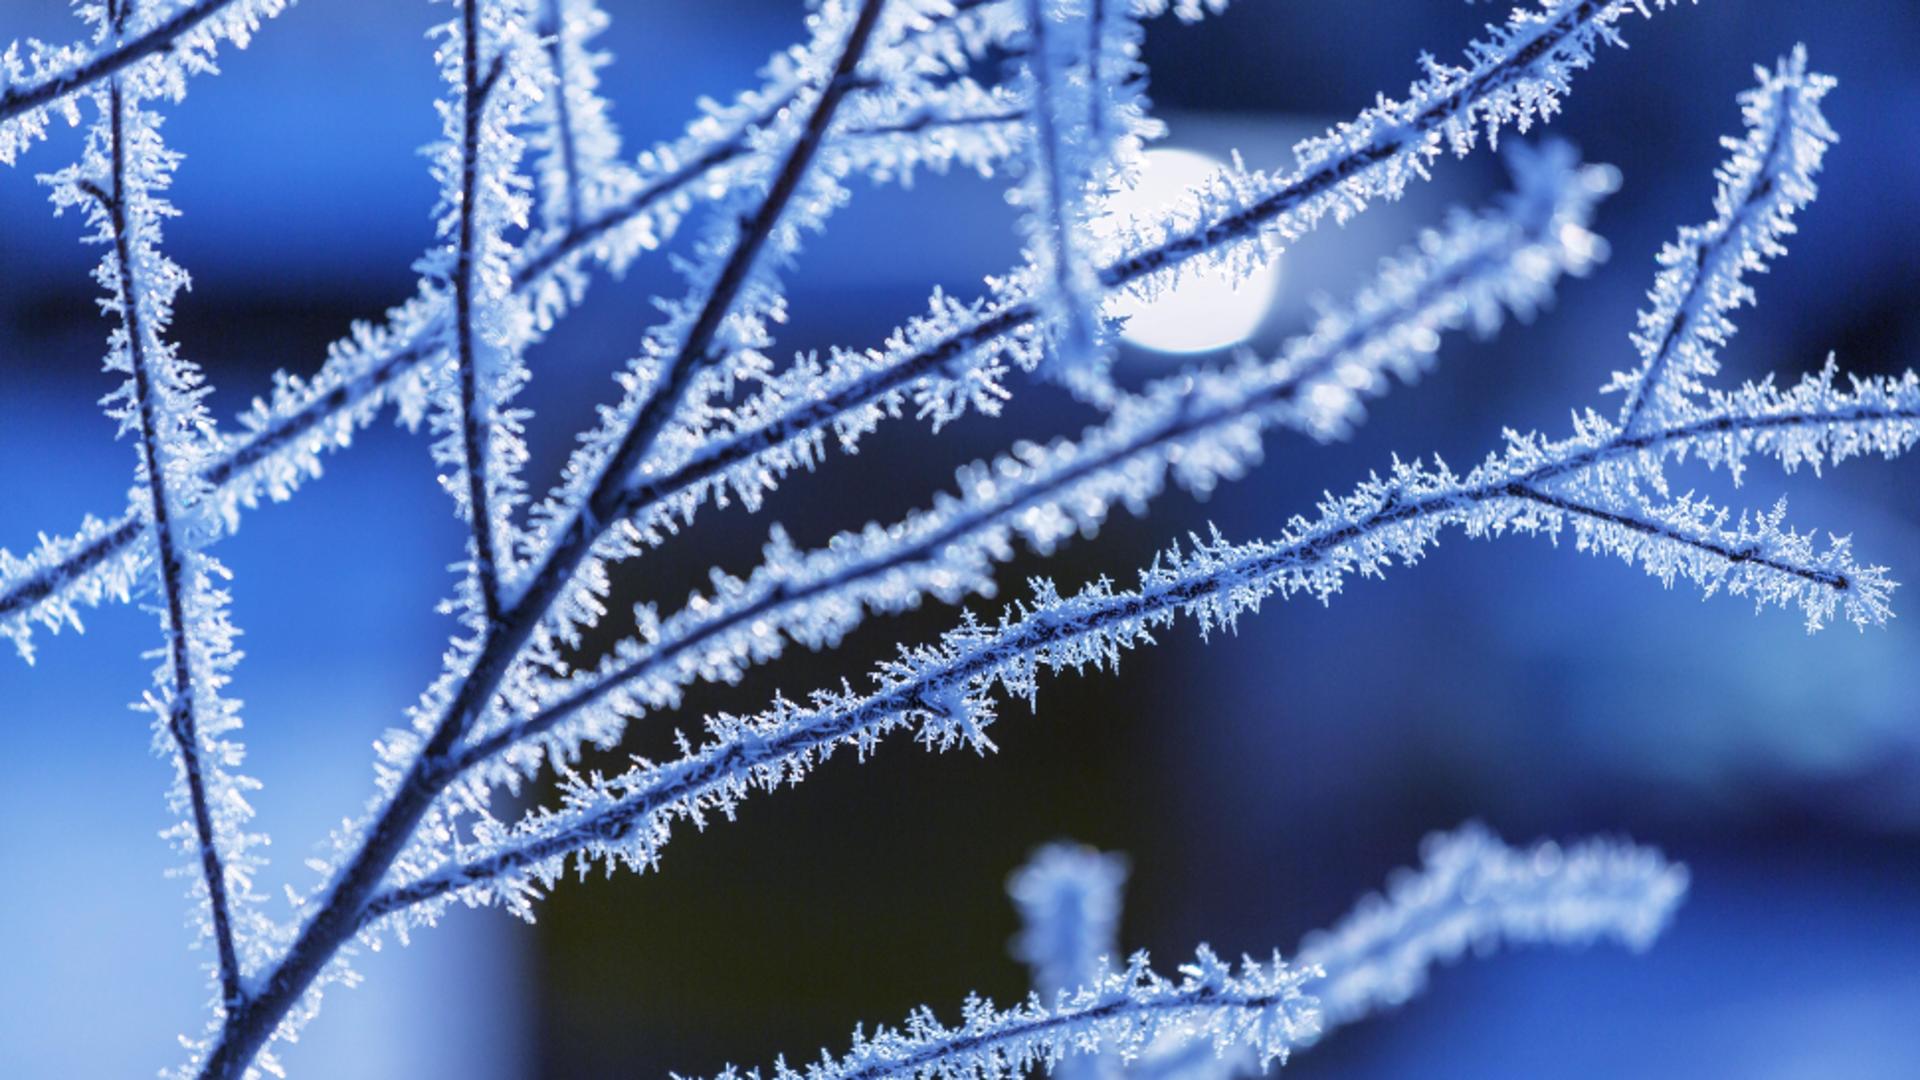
x=1258 y=784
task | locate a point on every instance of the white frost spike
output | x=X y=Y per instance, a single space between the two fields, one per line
x=1702 y=279
x=1473 y=892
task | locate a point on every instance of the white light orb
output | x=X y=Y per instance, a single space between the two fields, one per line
x=1204 y=311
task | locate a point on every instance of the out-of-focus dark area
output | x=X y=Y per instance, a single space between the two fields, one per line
x=1258 y=784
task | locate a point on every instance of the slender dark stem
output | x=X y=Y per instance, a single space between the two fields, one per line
x=1326 y=178
x=1096 y=89
x=182 y=723
x=161 y=38
x=473 y=423
x=1698 y=288
x=1193 y=418
x=25 y=592
x=694 y=355
x=1649 y=528
x=341 y=914
x=685 y=782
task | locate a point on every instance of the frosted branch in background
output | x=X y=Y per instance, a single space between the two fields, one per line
x=1472 y=893
x=1069 y=903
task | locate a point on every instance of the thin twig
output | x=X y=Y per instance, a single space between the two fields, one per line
x=182 y=723
x=260 y=446
x=1703 y=282
x=689 y=780
x=341 y=913
x=473 y=425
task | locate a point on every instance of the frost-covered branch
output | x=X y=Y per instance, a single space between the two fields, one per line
x=119 y=186
x=1201 y=427
x=180 y=36
x=468 y=691
x=1702 y=279
x=474 y=438
x=284 y=435
x=943 y=362
x=182 y=710
x=1473 y=892
x=939 y=692
x=1088 y=123
x=482 y=197
x=577 y=114
x=1515 y=78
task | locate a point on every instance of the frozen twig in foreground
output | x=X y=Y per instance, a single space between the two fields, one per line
x=178 y=36
x=1202 y=428
x=467 y=690
x=284 y=435
x=119 y=186
x=1702 y=278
